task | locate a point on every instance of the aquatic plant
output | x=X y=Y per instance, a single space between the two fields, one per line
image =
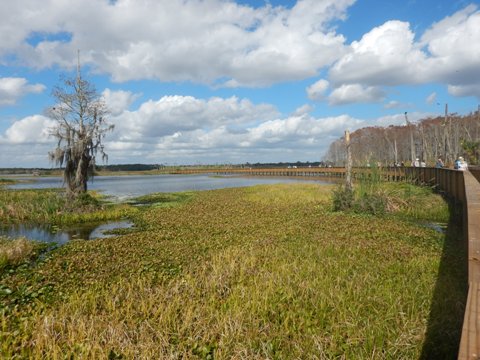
x=260 y=272
x=50 y=206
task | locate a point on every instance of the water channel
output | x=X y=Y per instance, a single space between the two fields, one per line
x=122 y=188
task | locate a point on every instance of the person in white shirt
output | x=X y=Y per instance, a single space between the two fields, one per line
x=461 y=164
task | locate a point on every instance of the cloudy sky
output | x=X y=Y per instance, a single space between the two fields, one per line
x=224 y=81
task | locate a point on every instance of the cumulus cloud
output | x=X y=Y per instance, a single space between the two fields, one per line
x=465 y=90
x=187 y=129
x=317 y=91
x=171 y=114
x=32 y=129
x=388 y=55
x=392 y=104
x=453 y=56
x=304 y=109
x=356 y=93
x=118 y=101
x=13 y=88
x=279 y=139
x=231 y=44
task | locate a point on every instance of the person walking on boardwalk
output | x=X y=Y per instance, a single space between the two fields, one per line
x=461 y=164
x=439 y=164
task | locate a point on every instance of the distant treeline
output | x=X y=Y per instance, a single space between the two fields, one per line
x=446 y=137
x=149 y=167
x=44 y=171
x=287 y=164
x=25 y=171
x=128 y=167
x=144 y=167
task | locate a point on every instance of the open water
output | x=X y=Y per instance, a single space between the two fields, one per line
x=121 y=188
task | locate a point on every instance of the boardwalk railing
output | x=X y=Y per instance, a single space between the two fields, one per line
x=462 y=187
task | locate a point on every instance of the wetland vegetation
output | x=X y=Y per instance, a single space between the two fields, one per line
x=269 y=271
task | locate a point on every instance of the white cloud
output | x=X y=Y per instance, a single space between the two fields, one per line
x=392 y=104
x=304 y=109
x=356 y=93
x=317 y=91
x=171 y=114
x=450 y=43
x=32 y=129
x=465 y=90
x=13 y=88
x=388 y=55
x=431 y=98
x=118 y=101
x=188 y=130
x=167 y=40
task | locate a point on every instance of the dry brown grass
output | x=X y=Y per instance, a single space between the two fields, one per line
x=14 y=252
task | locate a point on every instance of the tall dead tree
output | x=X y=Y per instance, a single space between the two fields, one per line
x=80 y=128
x=411 y=128
x=348 y=164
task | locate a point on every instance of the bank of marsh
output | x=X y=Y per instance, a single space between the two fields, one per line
x=260 y=272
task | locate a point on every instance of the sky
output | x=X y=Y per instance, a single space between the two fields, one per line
x=229 y=82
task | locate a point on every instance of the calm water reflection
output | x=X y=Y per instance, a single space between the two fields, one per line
x=124 y=187
x=51 y=234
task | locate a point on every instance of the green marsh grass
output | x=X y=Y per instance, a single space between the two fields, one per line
x=255 y=273
x=4 y=181
x=51 y=206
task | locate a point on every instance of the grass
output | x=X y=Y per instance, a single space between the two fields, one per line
x=51 y=206
x=4 y=181
x=17 y=251
x=260 y=272
x=162 y=199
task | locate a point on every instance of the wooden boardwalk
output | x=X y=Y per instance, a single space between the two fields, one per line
x=470 y=343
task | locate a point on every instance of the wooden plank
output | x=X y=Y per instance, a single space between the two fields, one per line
x=470 y=341
x=469 y=344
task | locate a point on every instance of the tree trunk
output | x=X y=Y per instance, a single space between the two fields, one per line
x=81 y=176
x=348 y=165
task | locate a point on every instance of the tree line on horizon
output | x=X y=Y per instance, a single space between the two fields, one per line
x=446 y=137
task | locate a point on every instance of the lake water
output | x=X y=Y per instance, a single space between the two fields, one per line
x=51 y=234
x=125 y=187
x=122 y=188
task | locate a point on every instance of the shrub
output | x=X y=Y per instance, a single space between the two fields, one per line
x=375 y=204
x=343 y=199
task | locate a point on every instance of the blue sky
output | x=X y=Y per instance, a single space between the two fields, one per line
x=219 y=81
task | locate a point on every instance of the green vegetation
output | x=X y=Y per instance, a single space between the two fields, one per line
x=14 y=252
x=51 y=206
x=6 y=181
x=371 y=195
x=163 y=199
x=260 y=272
